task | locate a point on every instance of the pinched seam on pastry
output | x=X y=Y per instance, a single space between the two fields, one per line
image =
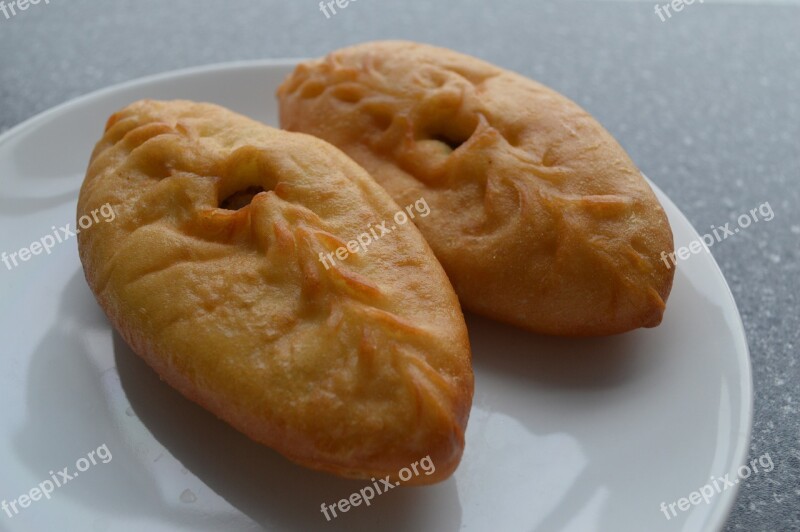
x=440 y=121
x=191 y=183
x=341 y=279
x=410 y=123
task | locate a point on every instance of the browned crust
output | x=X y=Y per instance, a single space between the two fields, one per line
x=357 y=370
x=539 y=216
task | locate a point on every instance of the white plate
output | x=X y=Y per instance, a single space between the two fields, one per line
x=565 y=435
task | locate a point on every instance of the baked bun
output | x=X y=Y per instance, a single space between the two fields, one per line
x=538 y=215
x=211 y=272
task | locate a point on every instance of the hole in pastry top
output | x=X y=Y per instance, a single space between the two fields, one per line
x=451 y=132
x=240 y=198
x=248 y=172
x=453 y=142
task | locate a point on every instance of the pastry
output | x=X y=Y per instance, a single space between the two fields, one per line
x=538 y=216
x=212 y=271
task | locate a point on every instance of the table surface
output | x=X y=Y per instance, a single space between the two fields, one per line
x=707 y=103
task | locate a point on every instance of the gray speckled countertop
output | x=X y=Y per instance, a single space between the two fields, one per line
x=707 y=104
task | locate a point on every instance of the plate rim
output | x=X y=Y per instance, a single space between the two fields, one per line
x=143 y=80
x=741 y=450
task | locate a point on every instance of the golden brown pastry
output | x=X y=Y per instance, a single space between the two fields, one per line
x=538 y=215
x=211 y=272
